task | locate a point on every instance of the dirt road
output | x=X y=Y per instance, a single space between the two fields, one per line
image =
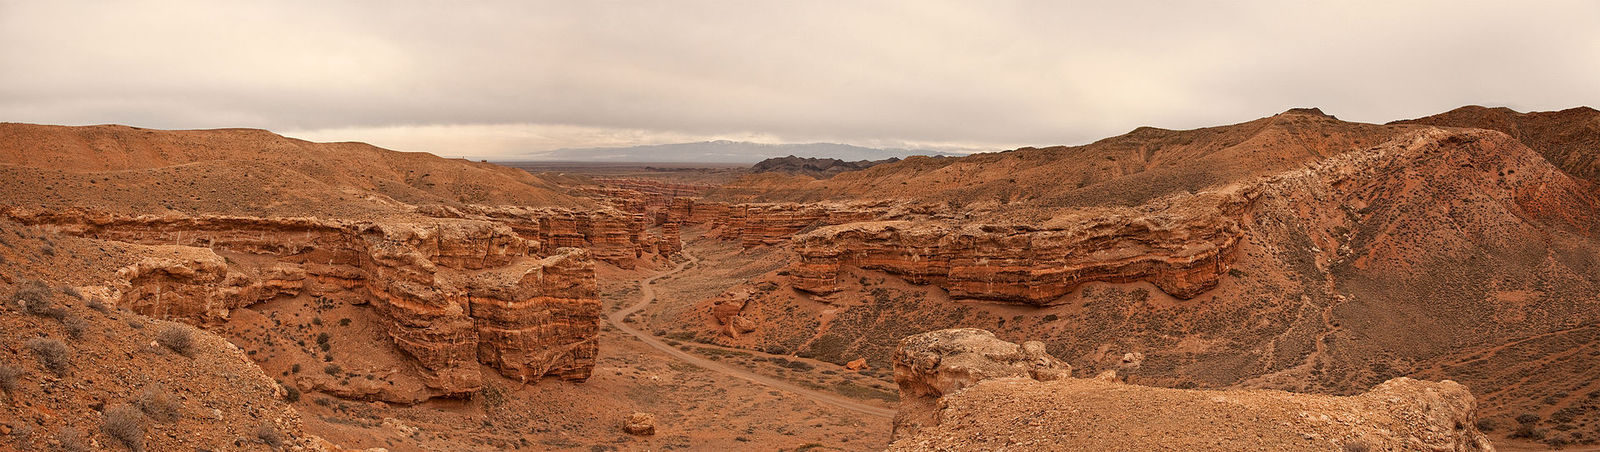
x=647 y=294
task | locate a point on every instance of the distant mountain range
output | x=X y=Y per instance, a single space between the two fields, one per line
x=722 y=151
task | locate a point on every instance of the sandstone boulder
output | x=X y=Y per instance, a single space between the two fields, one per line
x=642 y=424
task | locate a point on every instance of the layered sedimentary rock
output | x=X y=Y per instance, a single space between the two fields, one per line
x=966 y=390
x=711 y=213
x=454 y=293
x=680 y=210
x=1179 y=244
x=671 y=239
x=761 y=224
x=611 y=240
x=931 y=365
x=537 y=317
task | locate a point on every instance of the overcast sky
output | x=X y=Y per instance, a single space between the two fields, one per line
x=492 y=79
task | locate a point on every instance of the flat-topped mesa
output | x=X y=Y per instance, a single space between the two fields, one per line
x=964 y=389
x=762 y=224
x=1181 y=245
x=452 y=292
x=655 y=194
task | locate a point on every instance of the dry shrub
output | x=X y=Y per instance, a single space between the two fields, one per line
x=8 y=378
x=176 y=338
x=125 y=424
x=269 y=435
x=74 y=325
x=34 y=298
x=71 y=440
x=159 y=404
x=51 y=353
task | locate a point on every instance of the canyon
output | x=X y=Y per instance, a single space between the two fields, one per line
x=1294 y=282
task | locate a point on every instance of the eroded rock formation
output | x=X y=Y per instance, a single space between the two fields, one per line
x=454 y=292
x=1180 y=244
x=931 y=365
x=965 y=390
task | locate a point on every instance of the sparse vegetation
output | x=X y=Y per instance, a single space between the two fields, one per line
x=1527 y=418
x=492 y=396
x=8 y=378
x=332 y=369
x=1487 y=425
x=176 y=338
x=125 y=424
x=72 y=440
x=291 y=394
x=51 y=353
x=159 y=404
x=33 y=296
x=74 y=325
x=97 y=304
x=1356 y=446
x=269 y=435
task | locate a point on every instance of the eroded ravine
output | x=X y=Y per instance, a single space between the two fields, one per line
x=647 y=294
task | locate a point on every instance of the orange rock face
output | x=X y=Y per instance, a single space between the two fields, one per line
x=1180 y=245
x=455 y=293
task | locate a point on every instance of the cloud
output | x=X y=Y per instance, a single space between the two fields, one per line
x=482 y=79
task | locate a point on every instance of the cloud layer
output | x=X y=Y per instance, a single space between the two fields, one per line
x=484 y=79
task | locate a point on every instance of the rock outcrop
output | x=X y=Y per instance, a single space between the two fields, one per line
x=931 y=365
x=1180 y=244
x=455 y=293
x=965 y=390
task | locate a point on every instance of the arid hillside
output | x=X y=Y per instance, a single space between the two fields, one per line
x=1295 y=252
x=1130 y=169
x=123 y=169
x=1569 y=139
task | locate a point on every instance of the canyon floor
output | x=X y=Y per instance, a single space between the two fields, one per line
x=704 y=397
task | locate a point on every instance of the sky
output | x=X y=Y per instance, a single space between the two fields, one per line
x=490 y=79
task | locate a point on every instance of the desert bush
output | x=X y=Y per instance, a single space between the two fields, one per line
x=51 y=353
x=1356 y=446
x=322 y=342
x=269 y=435
x=8 y=378
x=33 y=296
x=71 y=292
x=74 y=325
x=22 y=437
x=332 y=369
x=1558 y=440
x=125 y=424
x=71 y=440
x=176 y=338
x=98 y=304
x=1486 y=425
x=291 y=394
x=159 y=404
x=1527 y=418
x=1528 y=431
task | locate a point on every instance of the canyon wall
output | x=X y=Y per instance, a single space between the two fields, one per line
x=454 y=293
x=1181 y=245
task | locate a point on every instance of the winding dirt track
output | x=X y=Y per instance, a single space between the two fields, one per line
x=647 y=294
